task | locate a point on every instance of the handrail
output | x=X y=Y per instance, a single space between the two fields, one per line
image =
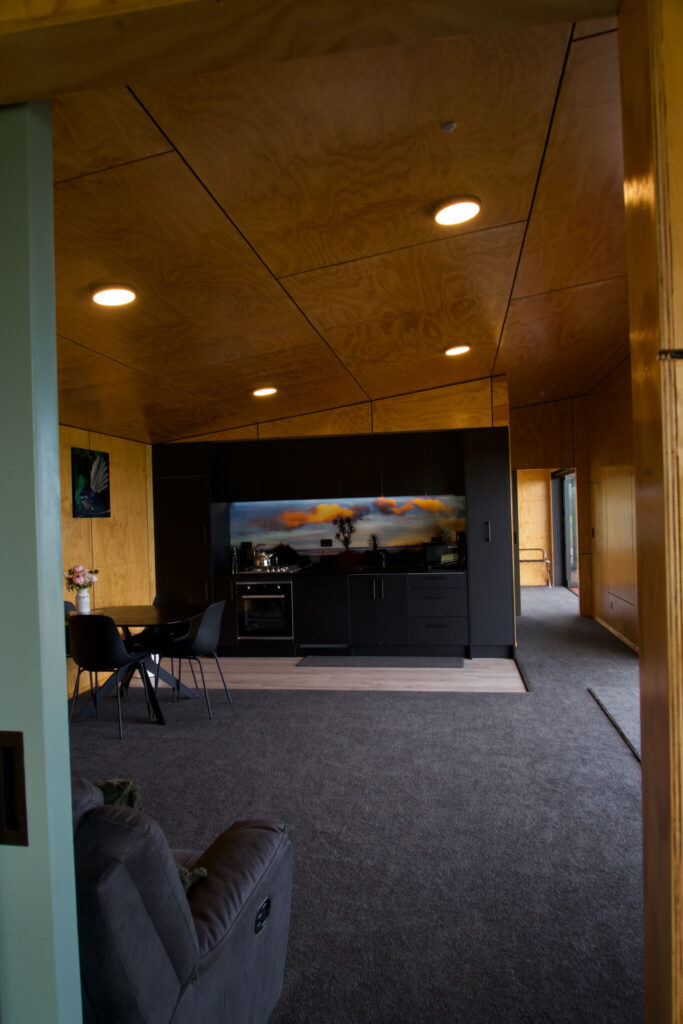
x=544 y=559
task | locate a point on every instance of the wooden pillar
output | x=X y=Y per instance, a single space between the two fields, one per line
x=651 y=36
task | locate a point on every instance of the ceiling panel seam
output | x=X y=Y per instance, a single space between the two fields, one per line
x=112 y=167
x=569 y=287
x=535 y=191
x=402 y=248
x=246 y=240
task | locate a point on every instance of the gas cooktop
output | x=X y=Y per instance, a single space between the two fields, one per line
x=270 y=571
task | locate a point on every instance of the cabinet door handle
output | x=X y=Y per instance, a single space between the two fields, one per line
x=437 y=625
x=435 y=597
x=487 y=530
x=381 y=589
x=373 y=592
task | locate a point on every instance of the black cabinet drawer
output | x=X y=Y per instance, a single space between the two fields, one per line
x=438 y=632
x=438 y=601
x=447 y=580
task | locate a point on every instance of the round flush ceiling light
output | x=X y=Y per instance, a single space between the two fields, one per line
x=457 y=211
x=263 y=392
x=113 y=295
x=457 y=350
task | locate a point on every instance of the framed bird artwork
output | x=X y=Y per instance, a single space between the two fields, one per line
x=90 y=483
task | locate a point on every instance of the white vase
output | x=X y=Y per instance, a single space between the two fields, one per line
x=83 y=601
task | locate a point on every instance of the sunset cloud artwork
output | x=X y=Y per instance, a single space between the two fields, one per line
x=401 y=521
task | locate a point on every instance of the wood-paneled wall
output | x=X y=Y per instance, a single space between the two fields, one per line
x=535 y=525
x=593 y=433
x=611 y=472
x=120 y=546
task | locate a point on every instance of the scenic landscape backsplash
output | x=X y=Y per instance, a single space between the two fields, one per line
x=316 y=527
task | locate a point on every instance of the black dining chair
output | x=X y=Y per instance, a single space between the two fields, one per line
x=202 y=644
x=148 y=637
x=69 y=606
x=96 y=646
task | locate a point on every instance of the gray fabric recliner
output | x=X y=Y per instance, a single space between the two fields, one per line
x=150 y=953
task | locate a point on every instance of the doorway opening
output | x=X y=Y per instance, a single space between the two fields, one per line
x=565 y=530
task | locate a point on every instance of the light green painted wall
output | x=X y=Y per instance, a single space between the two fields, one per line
x=39 y=980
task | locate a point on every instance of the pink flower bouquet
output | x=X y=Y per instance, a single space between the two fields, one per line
x=80 y=578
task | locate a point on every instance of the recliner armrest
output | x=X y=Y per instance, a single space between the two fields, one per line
x=239 y=863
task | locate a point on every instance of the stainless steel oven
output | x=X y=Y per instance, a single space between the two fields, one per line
x=264 y=610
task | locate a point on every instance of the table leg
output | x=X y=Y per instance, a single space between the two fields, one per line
x=170 y=680
x=164 y=677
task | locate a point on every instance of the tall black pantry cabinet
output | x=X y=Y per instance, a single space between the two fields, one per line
x=490 y=574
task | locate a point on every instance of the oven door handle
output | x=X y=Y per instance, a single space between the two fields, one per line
x=262 y=597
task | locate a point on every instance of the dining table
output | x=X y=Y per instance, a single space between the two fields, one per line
x=134 y=616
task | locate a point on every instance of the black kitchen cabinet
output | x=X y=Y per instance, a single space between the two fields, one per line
x=443 y=462
x=378 y=610
x=403 y=468
x=489 y=542
x=406 y=611
x=364 y=611
x=224 y=590
x=318 y=469
x=360 y=466
x=438 y=611
x=182 y=537
x=385 y=609
x=321 y=612
x=184 y=459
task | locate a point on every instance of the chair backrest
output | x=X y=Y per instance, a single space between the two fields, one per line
x=205 y=640
x=172 y=598
x=69 y=606
x=95 y=643
x=138 y=942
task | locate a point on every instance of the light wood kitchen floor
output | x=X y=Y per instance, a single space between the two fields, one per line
x=481 y=675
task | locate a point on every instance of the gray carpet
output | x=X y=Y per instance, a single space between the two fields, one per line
x=358 y=661
x=469 y=858
x=622 y=707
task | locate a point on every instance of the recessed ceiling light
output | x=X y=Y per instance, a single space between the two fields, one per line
x=457 y=211
x=457 y=350
x=262 y=392
x=113 y=295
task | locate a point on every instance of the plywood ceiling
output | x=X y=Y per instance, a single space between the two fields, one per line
x=275 y=222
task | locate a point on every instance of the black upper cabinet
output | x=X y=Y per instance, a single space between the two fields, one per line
x=403 y=468
x=444 y=464
x=196 y=459
x=318 y=460
x=237 y=473
x=278 y=469
x=256 y=471
x=489 y=537
x=359 y=466
x=182 y=537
